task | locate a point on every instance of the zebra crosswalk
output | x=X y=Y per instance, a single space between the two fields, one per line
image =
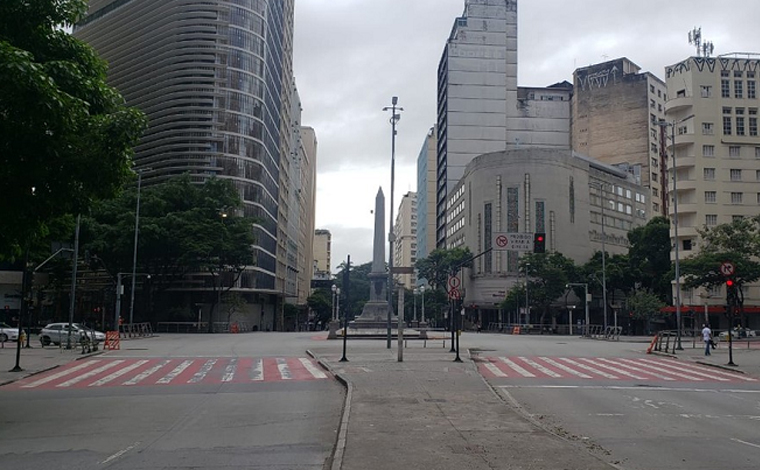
x=126 y=372
x=598 y=368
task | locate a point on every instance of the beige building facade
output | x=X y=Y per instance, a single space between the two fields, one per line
x=712 y=112
x=322 y=249
x=616 y=109
x=405 y=250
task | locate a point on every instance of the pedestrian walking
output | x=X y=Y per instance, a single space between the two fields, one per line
x=707 y=337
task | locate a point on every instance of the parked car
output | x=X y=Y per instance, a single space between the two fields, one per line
x=737 y=333
x=8 y=333
x=58 y=333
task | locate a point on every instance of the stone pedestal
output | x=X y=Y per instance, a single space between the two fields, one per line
x=422 y=327
x=333 y=328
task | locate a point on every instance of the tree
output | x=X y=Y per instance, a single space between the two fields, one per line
x=549 y=274
x=643 y=304
x=440 y=263
x=649 y=256
x=184 y=228
x=737 y=243
x=321 y=305
x=65 y=136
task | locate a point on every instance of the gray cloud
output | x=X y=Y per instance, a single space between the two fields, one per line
x=352 y=56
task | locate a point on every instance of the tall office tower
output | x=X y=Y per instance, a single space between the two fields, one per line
x=308 y=201
x=615 y=114
x=298 y=207
x=214 y=79
x=322 y=255
x=712 y=112
x=405 y=254
x=477 y=79
x=426 y=195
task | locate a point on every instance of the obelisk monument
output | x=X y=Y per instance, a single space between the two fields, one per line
x=375 y=312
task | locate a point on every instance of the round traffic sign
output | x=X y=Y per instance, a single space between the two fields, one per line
x=502 y=241
x=727 y=268
x=454 y=294
x=454 y=282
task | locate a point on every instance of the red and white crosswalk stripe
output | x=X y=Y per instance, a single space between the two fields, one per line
x=95 y=373
x=521 y=367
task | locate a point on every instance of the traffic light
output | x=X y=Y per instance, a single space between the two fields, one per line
x=729 y=283
x=539 y=242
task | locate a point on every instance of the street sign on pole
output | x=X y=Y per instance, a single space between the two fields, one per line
x=503 y=241
x=727 y=268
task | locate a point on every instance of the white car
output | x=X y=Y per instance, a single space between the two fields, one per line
x=58 y=333
x=8 y=333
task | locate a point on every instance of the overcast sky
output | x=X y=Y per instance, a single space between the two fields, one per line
x=352 y=56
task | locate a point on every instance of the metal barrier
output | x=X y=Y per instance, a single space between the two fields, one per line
x=667 y=341
x=135 y=330
x=202 y=327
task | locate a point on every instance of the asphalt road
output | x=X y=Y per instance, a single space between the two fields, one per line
x=639 y=412
x=176 y=402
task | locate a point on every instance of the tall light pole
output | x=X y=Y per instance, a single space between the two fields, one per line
x=395 y=118
x=527 y=297
x=603 y=200
x=334 y=314
x=422 y=291
x=672 y=125
x=585 y=301
x=414 y=297
x=134 y=251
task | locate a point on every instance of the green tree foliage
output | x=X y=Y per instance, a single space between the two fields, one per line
x=548 y=276
x=649 y=256
x=618 y=274
x=320 y=304
x=440 y=264
x=65 y=136
x=644 y=305
x=737 y=243
x=182 y=231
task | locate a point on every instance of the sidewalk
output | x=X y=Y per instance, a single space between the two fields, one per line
x=747 y=360
x=430 y=412
x=35 y=359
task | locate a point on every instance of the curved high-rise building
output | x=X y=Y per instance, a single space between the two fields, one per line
x=215 y=79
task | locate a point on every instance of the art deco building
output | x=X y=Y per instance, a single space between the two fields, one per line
x=480 y=107
x=215 y=80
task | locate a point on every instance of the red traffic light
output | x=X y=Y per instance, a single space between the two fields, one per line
x=729 y=282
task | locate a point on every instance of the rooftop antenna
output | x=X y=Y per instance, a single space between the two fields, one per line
x=704 y=49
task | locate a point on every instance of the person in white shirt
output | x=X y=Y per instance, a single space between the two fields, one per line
x=707 y=337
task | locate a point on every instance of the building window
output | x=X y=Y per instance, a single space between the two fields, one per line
x=726 y=109
x=655 y=207
x=655 y=163
x=707 y=128
x=736 y=175
x=653 y=147
x=758 y=198
x=753 y=126
x=725 y=89
x=652 y=104
x=706 y=91
x=737 y=74
x=711 y=220
x=654 y=176
x=737 y=218
x=711 y=197
x=757 y=175
x=757 y=152
x=726 y=125
x=651 y=88
x=739 y=125
x=751 y=91
x=736 y=198
x=734 y=151
x=724 y=73
x=738 y=89
x=709 y=174
x=655 y=192
x=708 y=150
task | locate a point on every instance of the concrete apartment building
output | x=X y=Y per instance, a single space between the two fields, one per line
x=216 y=82
x=405 y=250
x=615 y=114
x=426 y=182
x=322 y=255
x=480 y=107
x=712 y=111
x=555 y=191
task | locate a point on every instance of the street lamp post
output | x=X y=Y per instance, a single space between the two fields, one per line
x=585 y=287
x=672 y=125
x=395 y=118
x=422 y=291
x=527 y=297
x=414 y=298
x=334 y=314
x=134 y=251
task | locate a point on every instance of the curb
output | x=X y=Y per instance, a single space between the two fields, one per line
x=720 y=366
x=340 y=442
x=21 y=377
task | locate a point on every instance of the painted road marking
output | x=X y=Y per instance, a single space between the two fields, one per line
x=89 y=374
x=58 y=375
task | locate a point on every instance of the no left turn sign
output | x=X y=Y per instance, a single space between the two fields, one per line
x=727 y=269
